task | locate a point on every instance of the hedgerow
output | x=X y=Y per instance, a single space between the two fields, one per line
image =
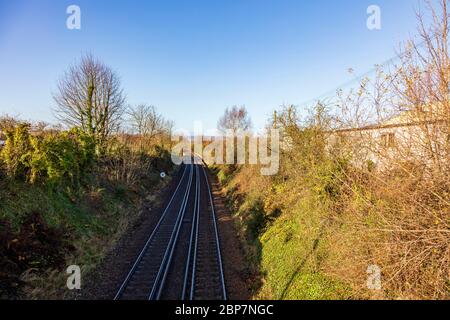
x=51 y=158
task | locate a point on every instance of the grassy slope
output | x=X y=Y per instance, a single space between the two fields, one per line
x=93 y=221
x=313 y=237
x=292 y=258
x=290 y=248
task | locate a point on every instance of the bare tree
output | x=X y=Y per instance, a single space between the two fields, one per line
x=40 y=126
x=90 y=97
x=146 y=121
x=169 y=126
x=423 y=82
x=8 y=122
x=235 y=119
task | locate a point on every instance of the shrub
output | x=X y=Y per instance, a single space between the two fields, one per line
x=16 y=150
x=64 y=156
x=326 y=218
x=50 y=158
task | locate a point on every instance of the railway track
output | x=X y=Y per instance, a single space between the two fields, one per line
x=181 y=258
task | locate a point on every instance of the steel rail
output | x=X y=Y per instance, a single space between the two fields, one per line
x=219 y=255
x=191 y=238
x=149 y=240
x=165 y=264
x=195 y=239
x=167 y=251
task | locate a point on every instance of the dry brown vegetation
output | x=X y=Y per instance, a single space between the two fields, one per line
x=358 y=187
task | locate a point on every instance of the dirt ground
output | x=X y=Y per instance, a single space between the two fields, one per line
x=237 y=275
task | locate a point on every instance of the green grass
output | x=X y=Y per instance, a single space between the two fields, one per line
x=292 y=256
x=18 y=199
x=93 y=221
x=290 y=247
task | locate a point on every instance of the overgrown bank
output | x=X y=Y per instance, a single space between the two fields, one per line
x=284 y=237
x=69 y=191
x=359 y=208
x=320 y=229
x=62 y=204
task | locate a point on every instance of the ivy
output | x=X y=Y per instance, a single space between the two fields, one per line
x=53 y=158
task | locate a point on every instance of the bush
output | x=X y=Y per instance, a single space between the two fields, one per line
x=314 y=229
x=135 y=169
x=101 y=197
x=49 y=158
x=16 y=150
x=64 y=156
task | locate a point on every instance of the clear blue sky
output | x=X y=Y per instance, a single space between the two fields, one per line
x=192 y=59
